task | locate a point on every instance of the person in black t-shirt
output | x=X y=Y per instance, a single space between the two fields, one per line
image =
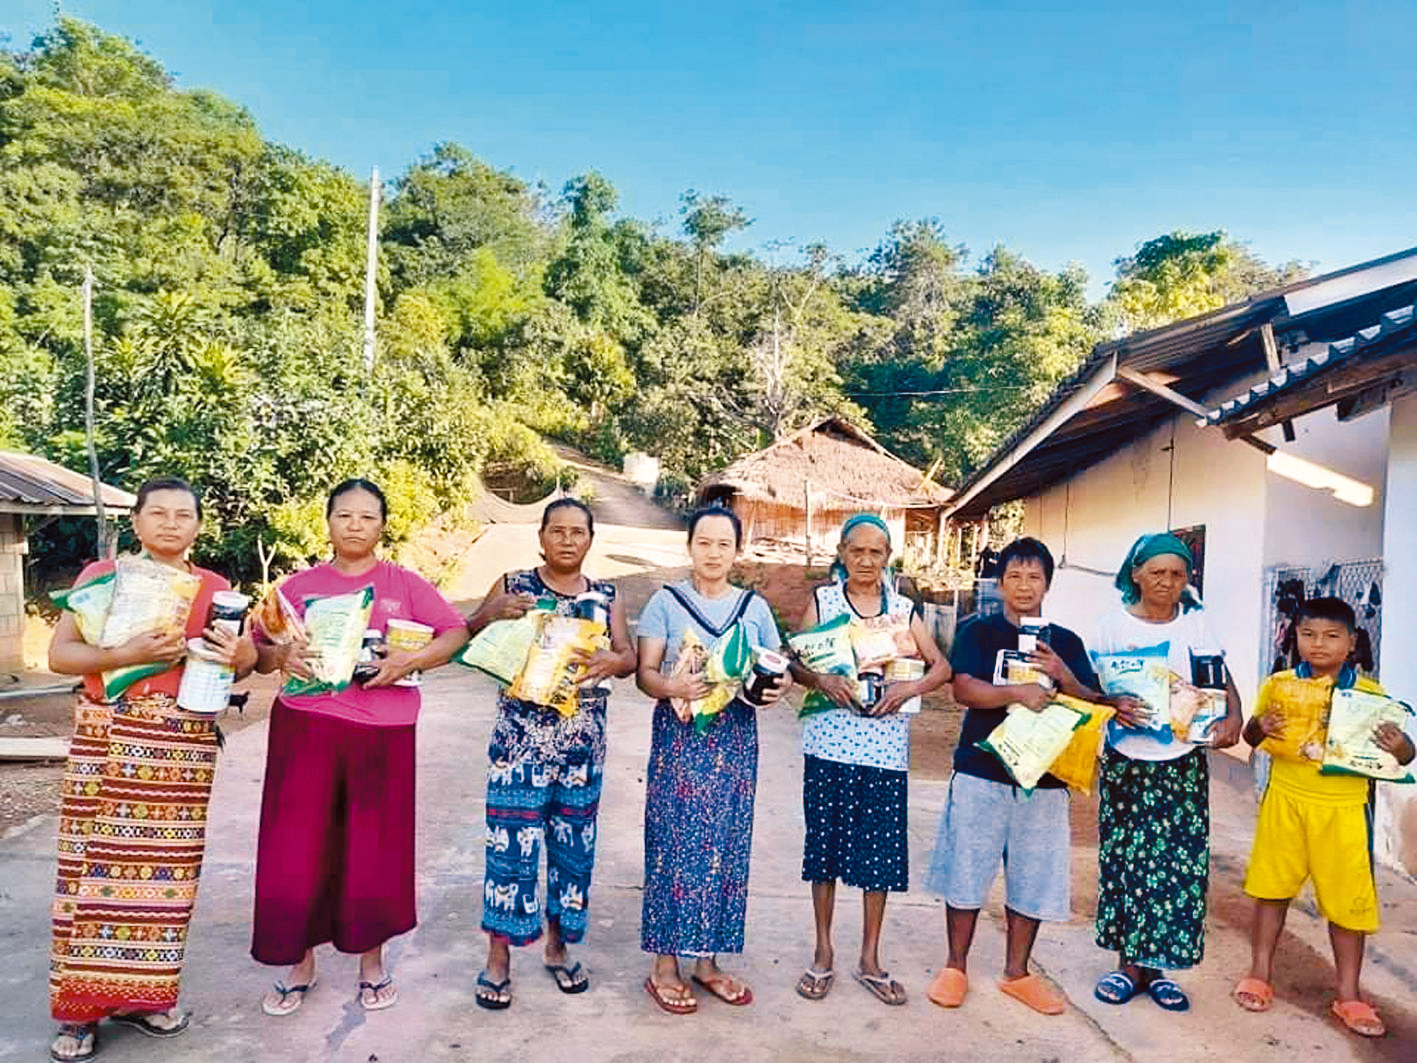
x=988 y=821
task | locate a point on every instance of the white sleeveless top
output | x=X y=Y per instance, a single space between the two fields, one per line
x=842 y=735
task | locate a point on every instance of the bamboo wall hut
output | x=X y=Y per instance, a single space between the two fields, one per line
x=797 y=492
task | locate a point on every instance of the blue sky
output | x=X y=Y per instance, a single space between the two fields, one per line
x=1068 y=132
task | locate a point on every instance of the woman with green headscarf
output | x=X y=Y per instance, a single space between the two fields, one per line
x=857 y=753
x=1154 y=789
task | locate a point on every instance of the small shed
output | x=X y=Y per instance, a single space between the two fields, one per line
x=800 y=489
x=33 y=487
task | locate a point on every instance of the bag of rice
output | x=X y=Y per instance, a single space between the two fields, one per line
x=1028 y=742
x=1351 y=748
x=878 y=639
x=826 y=650
x=89 y=603
x=556 y=660
x=1076 y=765
x=148 y=596
x=1304 y=706
x=1145 y=675
x=500 y=649
x=335 y=629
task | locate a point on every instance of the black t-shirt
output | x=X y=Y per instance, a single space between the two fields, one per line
x=976 y=649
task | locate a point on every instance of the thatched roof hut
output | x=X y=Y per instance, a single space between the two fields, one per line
x=801 y=488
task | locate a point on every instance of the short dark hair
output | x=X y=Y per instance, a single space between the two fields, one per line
x=357 y=483
x=1334 y=609
x=1027 y=549
x=568 y=503
x=166 y=483
x=704 y=512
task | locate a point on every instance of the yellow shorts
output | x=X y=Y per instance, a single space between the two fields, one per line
x=1297 y=839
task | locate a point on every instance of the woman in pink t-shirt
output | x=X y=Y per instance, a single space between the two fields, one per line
x=334 y=861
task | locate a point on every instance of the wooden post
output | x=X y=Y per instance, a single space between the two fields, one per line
x=1271 y=361
x=100 y=514
x=371 y=272
x=807 y=526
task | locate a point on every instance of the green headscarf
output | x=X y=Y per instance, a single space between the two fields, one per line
x=1142 y=551
x=838 y=570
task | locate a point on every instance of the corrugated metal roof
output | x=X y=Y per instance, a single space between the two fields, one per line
x=32 y=484
x=1290 y=376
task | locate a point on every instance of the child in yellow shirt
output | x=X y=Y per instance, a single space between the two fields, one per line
x=1316 y=826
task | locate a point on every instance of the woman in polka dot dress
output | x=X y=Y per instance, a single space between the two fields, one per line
x=854 y=785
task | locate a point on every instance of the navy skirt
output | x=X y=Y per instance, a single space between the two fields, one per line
x=856 y=826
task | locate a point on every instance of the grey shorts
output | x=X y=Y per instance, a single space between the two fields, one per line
x=987 y=825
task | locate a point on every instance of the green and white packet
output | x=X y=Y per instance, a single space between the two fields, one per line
x=1351 y=748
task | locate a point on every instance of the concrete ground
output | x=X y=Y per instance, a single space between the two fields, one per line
x=436 y=964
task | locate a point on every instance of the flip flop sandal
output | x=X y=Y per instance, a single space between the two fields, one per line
x=882 y=987
x=1031 y=991
x=569 y=980
x=500 y=988
x=1360 y=1017
x=376 y=988
x=152 y=1029
x=686 y=1006
x=949 y=988
x=1115 y=988
x=279 y=1008
x=1168 y=995
x=85 y=1034
x=1258 y=988
x=714 y=986
x=815 y=984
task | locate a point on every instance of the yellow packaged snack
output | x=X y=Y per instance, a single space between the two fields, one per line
x=721 y=666
x=1195 y=710
x=556 y=660
x=1076 y=765
x=1350 y=747
x=1304 y=706
x=878 y=639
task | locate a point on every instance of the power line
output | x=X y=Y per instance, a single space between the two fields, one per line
x=941 y=391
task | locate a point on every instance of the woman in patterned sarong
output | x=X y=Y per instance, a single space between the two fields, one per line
x=132 y=820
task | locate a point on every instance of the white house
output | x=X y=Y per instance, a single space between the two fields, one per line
x=1280 y=436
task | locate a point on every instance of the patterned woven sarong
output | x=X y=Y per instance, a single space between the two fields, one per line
x=132 y=830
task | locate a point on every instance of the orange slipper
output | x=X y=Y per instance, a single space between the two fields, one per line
x=949 y=988
x=1032 y=991
x=1253 y=994
x=1360 y=1017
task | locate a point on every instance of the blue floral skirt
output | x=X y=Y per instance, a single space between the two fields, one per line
x=699 y=832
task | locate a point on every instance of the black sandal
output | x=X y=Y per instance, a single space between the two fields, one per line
x=500 y=988
x=145 y=1023
x=81 y=1032
x=571 y=979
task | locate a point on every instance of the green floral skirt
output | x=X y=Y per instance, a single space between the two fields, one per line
x=1154 y=858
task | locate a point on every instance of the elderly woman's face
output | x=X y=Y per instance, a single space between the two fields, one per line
x=865 y=553
x=1162 y=579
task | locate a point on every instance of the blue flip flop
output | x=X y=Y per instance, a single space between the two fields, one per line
x=1168 y=995
x=1116 y=988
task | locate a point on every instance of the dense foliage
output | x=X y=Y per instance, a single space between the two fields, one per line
x=230 y=278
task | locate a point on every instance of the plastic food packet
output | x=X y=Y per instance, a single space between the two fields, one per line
x=1304 y=706
x=1145 y=675
x=1076 y=765
x=1013 y=668
x=1027 y=742
x=1351 y=749
x=276 y=618
x=500 y=649
x=878 y=639
x=721 y=666
x=826 y=650
x=335 y=629
x=1195 y=710
x=89 y=603
x=148 y=596
x=556 y=660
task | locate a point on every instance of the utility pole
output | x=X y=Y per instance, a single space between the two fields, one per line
x=371 y=273
x=103 y=543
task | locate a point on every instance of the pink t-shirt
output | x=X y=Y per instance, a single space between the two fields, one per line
x=399 y=594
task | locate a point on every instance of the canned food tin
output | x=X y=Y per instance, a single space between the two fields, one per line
x=871 y=685
x=228 y=610
x=592 y=606
x=368 y=665
x=768 y=667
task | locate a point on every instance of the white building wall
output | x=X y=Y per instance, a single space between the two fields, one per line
x=1396 y=833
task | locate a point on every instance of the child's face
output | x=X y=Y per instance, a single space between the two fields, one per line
x=1325 y=644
